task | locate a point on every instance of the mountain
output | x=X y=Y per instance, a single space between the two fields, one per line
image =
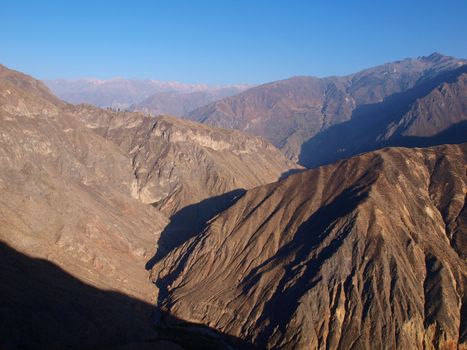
x=290 y=112
x=368 y=252
x=177 y=163
x=180 y=103
x=433 y=112
x=76 y=180
x=21 y=94
x=123 y=93
x=44 y=307
x=66 y=192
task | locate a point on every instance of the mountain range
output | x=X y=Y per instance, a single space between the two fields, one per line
x=180 y=103
x=132 y=229
x=350 y=114
x=92 y=190
x=146 y=95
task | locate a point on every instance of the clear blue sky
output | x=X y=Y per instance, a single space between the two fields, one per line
x=223 y=41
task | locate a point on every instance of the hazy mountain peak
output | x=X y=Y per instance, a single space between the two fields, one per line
x=141 y=94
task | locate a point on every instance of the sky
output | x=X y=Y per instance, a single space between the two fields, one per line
x=223 y=41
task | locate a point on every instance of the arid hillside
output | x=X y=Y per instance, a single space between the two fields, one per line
x=364 y=253
x=177 y=162
x=84 y=189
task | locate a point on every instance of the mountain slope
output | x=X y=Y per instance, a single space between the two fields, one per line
x=75 y=224
x=364 y=253
x=66 y=193
x=76 y=180
x=21 y=94
x=433 y=112
x=177 y=162
x=291 y=111
x=43 y=307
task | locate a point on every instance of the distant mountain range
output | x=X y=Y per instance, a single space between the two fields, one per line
x=180 y=103
x=316 y=121
x=150 y=96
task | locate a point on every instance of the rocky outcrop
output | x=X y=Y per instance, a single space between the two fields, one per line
x=364 y=253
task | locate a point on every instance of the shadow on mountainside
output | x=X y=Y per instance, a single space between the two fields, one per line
x=360 y=133
x=44 y=307
x=191 y=220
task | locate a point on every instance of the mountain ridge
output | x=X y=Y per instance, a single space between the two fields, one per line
x=349 y=255
x=122 y=93
x=291 y=111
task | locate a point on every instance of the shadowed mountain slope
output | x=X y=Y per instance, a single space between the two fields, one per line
x=364 y=253
x=431 y=113
x=43 y=307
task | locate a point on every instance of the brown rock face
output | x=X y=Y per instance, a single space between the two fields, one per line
x=364 y=253
x=292 y=111
x=178 y=162
x=66 y=193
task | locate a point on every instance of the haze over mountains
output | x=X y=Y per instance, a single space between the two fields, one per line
x=146 y=95
x=153 y=231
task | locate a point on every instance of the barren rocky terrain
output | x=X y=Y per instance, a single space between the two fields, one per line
x=364 y=253
x=177 y=162
x=77 y=184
